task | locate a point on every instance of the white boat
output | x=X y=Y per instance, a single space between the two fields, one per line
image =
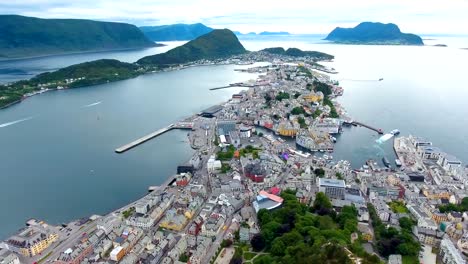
x=395 y=132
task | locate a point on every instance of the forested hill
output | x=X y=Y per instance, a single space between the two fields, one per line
x=219 y=43
x=373 y=33
x=28 y=36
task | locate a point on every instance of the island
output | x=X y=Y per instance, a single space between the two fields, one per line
x=295 y=52
x=175 y=32
x=30 y=37
x=370 y=33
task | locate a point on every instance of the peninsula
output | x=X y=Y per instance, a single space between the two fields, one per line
x=30 y=37
x=370 y=33
x=175 y=32
x=215 y=47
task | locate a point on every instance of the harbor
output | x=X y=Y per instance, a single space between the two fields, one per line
x=181 y=125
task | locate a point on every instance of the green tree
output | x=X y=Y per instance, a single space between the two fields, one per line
x=257 y=242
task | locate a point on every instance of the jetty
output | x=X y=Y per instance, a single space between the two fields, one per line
x=378 y=130
x=180 y=125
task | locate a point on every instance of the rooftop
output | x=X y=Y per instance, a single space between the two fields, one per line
x=331 y=182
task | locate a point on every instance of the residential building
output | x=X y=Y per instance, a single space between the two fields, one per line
x=31 y=240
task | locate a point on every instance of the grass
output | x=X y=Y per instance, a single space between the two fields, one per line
x=410 y=260
x=45 y=257
x=249 y=255
x=398 y=207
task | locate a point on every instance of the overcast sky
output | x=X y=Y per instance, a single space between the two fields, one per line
x=296 y=16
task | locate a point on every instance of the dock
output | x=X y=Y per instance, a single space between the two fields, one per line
x=378 y=130
x=180 y=125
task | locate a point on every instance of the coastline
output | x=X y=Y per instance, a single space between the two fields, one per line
x=3 y=59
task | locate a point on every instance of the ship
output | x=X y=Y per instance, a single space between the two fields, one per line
x=386 y=162
x=398 y=162
x=395 y=132
x=381 y=79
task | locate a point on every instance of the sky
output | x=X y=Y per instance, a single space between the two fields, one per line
x=295 y=16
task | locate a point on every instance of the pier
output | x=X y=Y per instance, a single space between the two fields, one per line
x=378 y=130
x=180 y=125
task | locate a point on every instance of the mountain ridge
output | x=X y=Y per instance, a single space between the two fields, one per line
x=30 y=36
x=373 y=33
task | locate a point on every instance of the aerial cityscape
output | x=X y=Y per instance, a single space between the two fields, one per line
x=202 y=132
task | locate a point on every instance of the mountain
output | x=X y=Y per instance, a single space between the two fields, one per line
x=373 y=33
x=219 y=43
x=175 y=32
x=294 y=52
x=28 y=36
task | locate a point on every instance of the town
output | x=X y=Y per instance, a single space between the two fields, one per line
x=267 y=148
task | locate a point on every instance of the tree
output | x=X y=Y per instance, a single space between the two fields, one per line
x=226 y=243
x=257 y=242
x=319 y=172
x=406 y=223
x=322 y=205
x=278 y=247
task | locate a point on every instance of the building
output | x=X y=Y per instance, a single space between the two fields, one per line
x=267 y=201
x=226 y=126
x=75 y=255
x=117 y=253
x=334 y=189
x=8 y=257
x=449 y=254
x=32 y=240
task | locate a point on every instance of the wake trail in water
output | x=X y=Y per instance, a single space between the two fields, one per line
x=93 y=104
x=15 y=122
x=384 y=138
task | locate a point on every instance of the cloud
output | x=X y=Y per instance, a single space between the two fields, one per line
x=297 y=16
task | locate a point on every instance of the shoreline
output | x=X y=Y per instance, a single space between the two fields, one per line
x=3 y=59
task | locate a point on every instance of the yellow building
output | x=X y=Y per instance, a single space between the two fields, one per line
x=439 y=217
x=313 y=97
x=432 y=195
x=287 y=130
x=32 y=241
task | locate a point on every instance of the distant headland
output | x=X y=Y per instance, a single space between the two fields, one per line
x=371 y=33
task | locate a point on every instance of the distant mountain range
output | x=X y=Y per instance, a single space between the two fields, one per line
x=219 y=43
x=175 y=32
x=22 y=36
x=373 y=33
x=264 y=33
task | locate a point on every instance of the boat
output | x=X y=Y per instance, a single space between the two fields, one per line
x=333 y=139
x=386 y=162
x=395 y=132
x=381 y=79
x=398 y=162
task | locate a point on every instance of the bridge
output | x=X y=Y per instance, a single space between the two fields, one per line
x=378 y=130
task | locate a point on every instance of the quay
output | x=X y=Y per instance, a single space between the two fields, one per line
x=378 y=130
x=180 y=125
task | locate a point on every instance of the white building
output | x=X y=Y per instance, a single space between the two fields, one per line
x=449 y=253
x=8 y=257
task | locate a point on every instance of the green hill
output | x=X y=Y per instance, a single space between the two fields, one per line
x=28 y=36
x=78 y=75
x=219 y=43
x=294 y=52
x=175 y=32
x=373 y=33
